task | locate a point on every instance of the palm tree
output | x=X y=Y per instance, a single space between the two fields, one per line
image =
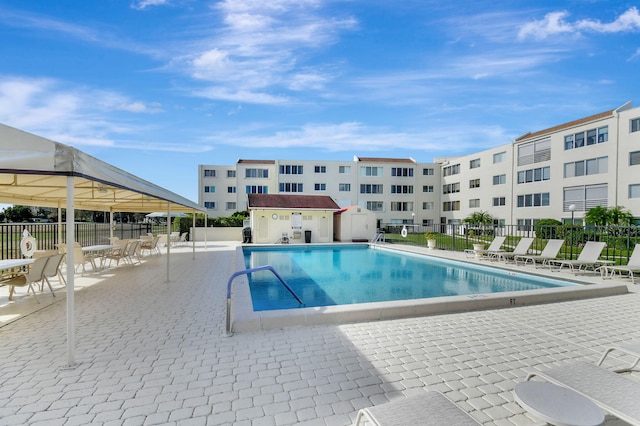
x=479 y=218
x=619 y=216
x=597 y=215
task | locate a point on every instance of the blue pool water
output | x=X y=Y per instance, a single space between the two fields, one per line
x=339 y=275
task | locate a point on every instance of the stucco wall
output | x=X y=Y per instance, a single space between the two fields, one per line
x=218 y=234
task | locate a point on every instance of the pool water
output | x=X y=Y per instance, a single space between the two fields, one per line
x=340 y=275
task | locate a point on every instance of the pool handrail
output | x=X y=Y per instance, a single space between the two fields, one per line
x=246 y=272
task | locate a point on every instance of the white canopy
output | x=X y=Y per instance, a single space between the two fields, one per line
x=35 y=171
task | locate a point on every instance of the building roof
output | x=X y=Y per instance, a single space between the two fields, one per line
x=282 y=201
x=256 y=161
x=385 y=160
x=567 y=125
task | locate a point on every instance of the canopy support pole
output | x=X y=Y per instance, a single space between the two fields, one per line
x=168 y=240
x=70 y=272
x=193 y=240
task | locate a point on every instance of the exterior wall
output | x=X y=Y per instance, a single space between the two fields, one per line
x=217 y=233
x=269 y=225
x=354 y=224
x=620 y=177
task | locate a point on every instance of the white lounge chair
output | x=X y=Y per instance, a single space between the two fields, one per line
x=631 y=348
x=609 y=271
x=492 y=250
x=550 y=252
x=614 y=393
x=588 y=258
x=430 y=409
x=521 y=248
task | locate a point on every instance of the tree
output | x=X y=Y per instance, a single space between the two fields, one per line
x=547 y=228
x=603 y=216
x=479 y=218
x=18 y=214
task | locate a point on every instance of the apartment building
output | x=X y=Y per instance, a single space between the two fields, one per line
x=592 y=161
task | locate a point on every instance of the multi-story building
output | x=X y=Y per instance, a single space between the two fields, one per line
x=552 y=173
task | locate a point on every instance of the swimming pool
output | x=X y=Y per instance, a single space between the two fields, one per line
x=343 y=275
x=241 y=316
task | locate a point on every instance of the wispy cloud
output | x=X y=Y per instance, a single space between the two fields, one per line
x=143 y=4
x=556 y=23
x=261 y=49
x=79 y=116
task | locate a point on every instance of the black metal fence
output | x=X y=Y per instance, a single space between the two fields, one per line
x=47 y=235
x=620 y=240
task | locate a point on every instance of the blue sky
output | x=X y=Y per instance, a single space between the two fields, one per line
x=157 y=87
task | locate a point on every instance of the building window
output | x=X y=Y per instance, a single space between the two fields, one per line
x=209 y=173
x=344 y=187
x=634 y=191
x=534 y=175
x=231 y=189
x=533 y=200
x=474 y=203
x=534 y=152
x=427 y=205
x=375 y=206
x=231 y=173
x=256 y=173
x=320 y=186
x=427 y=188
x=427 y=222
x=290 y=187
x=231 y=205
x=634 y=158
x=210 y=189
x=370 y=189
x=474 y=164
x=499 y=179
x=287 y=169
x=593 y=166
x=370 y=171
x=401 y=206
x=256 y=189
x=211 y=205
x=401 y=171
x=449 y=206
x=320 y=169
x=474 y=183
x=451 y=188
x=499 y=201
x=589 y=137
x=635 y=125
x=499 y=157
x=402 y=189
x=427 y=172
x=344 y=170
x=585 y=197
x=451 y=170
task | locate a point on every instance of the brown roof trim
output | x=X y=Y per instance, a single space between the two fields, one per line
x=256 y=161
x=567 y=125
x=386 y=160
x=286 y=201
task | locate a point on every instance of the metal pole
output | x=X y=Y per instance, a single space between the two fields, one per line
x=571 y=234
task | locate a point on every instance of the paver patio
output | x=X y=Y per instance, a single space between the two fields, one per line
x=154 y=352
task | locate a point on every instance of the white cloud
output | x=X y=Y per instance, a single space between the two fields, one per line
x=143 y=4
x=555 y=23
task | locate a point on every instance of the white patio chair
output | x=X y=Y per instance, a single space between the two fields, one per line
x=27 y=279
x=633 y=266
x=588 y=258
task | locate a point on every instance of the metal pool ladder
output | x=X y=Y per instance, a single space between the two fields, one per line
x=246 y=272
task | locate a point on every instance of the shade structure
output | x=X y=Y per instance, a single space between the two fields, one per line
x=164 y=214
x=35 y=171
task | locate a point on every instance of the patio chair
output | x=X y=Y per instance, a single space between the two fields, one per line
x=609 y=271
x=550 y=252
x=27 y=279
x=492 y=250
x=430 y=409
x=80 y=258
x=118 y=253
x=631 y=348
x=150 y=246
x=614 y=393
x=131 y=252
x=52 y=269
x=588 y=258
x=521 y=248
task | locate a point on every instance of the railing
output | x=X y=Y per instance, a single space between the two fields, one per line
x=248 y=271
x=46 y=235
x=379 y=237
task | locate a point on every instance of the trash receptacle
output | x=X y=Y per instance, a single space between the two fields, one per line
x=307 y=236
x=246 y=235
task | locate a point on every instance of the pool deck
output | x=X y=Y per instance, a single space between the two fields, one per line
x=151 y=352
